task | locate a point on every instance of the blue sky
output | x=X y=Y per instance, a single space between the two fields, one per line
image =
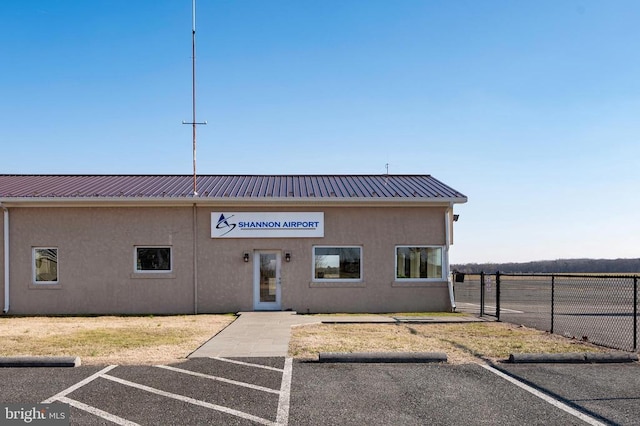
x=528 y=108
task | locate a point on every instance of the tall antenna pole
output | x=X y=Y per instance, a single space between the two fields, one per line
x=193 y=123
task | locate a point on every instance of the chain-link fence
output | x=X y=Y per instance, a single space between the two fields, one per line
x=601 y=309
x=477 y=292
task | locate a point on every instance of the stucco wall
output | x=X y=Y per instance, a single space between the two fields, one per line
x=96 y=260
x=226 y=282
x=1 y=260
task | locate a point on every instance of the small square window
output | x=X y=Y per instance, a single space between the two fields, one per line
x=337 y=263
x=45 y=265
x=153 y=259
x=418 y=263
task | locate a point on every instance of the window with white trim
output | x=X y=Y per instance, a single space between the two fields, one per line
x=337 y=263
x=152 y=259
x=45 y=265
x=419 y=263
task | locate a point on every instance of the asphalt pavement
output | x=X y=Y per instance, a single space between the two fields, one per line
x=276 y=391
x=414 y=394
x=608 y=392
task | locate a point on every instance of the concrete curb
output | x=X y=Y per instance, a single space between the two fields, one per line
x=403 y=320
x=37 y=361
x=573 y=358
x=382 y=357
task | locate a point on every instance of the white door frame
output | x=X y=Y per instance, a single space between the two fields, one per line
x=257 y=304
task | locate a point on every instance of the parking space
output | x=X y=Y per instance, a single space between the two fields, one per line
x=33 y=385
x=277 y=391
x=201 y=391
x=414 y=394
x=608 y=392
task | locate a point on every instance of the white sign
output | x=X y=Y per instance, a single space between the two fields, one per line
x=267 y=225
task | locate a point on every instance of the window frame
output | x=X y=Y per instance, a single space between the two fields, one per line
x=314 y=279
x=420 y=279
x=34 y=268
x=152 y=271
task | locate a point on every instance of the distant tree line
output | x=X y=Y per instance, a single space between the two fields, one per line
x=587 y=266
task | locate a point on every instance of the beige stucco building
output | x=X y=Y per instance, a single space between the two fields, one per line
x=149 y=245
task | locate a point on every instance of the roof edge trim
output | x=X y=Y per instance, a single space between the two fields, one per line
x=118 y=201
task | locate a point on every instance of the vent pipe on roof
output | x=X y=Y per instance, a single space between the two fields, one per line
x=6 y=259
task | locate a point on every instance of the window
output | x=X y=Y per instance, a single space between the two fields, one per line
x=418 y=263
x=45 y=265
x=337 y=263
x=153 y=259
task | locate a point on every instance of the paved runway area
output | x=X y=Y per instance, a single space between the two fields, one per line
x=589 y=308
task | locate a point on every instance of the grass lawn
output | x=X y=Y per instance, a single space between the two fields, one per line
x=110 y=339
x=168 y=339
x=462 y=342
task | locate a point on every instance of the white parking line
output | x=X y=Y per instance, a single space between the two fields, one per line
x=233 y=361
x=189 y=400
x=62 y=397
x=282 y=418
x=219 y=379
x=584 y=417
x=79 y=384
x=511 y=311
x=97 y=412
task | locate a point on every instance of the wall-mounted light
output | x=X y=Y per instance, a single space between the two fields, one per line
x=456 y=217
x=245 y=256
x=287 y=256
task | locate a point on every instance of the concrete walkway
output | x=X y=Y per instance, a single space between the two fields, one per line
x=267 y=334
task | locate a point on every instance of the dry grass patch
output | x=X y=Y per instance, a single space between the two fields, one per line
x=110 y=339
x=463 y=343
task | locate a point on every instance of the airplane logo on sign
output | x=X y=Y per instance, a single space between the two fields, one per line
x=223 y=222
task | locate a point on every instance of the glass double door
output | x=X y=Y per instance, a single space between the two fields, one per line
x=266 y=281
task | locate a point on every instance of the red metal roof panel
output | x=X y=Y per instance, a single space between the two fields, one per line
x=226 y=186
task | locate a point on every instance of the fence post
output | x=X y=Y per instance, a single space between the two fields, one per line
x=553 y=299
x=482 y=293
x=635 y=313
x=498 y=295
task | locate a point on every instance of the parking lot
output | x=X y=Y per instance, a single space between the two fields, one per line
x=200 y=391
x=278 y=391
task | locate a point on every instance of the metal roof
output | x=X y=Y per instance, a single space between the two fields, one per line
x=228 y=187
